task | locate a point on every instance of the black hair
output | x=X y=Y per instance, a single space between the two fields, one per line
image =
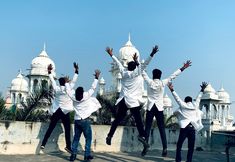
x=157 y=74
x=79 y=93
x=188 y=99
x=62 y=81
x=131 y=65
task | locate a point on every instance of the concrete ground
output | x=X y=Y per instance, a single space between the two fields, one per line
x=152 y=156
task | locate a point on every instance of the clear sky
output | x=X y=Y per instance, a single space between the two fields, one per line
x=79 y=30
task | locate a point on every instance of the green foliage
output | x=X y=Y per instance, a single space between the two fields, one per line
x=32 y=108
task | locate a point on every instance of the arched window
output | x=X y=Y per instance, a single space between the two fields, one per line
x=215 y=112
x=35 y=84
x=19 y=98
x=45 y=84
x=13 y=98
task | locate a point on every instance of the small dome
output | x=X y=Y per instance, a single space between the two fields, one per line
x=209 y=89
x=19 y=84
x=167 y=101
x=223 y=95
x=102 y=81
x=40 y=63
x=209 y=93
x=127 y=52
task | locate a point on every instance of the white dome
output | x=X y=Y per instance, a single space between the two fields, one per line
x=223 y=95
x=209 y=93
x=19 y=84
x=127 y=52
x=167 y=101
x=40 y=63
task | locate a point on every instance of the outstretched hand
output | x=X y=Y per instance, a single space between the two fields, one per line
x=154 y=51
x=75 y=65
x=97 y=73
x=109 y=51
x=170 y=86
x=49 y=68
x=186 y=65
x=203 y=86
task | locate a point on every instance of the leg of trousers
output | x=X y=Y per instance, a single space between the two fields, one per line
x=77 y=134
x=138 y=120
x=121 y=113
x=191 y=143
x=54 y=119
x=88 y=136
x=182 y=137
x=148 y=123
x=161 y=126
x=66 y=122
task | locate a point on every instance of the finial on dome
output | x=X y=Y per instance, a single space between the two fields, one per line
x=20 y=71
x=44 y=47
x=129 y=37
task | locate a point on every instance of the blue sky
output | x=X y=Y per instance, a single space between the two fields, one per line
x=79 y=30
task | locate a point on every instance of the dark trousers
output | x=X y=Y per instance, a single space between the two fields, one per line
x=66 y=122
x=160 y=123
x=121 y=113
x=82 y=126
x=187 y=132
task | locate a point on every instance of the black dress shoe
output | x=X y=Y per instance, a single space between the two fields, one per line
x=72 y=157
x=164 y=152
x=144 y=152
x=108 y=140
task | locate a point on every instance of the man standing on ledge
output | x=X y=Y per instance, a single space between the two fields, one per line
x=155 y=92
x=61 y=107
x=130 y=97
x=189 y=117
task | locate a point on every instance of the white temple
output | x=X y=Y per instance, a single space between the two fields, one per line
x=21 y=86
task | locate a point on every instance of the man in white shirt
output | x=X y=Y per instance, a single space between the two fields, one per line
x=187 y=115
x=61 y=107
x=155 y=92
x=130 y=97
x=84 y=106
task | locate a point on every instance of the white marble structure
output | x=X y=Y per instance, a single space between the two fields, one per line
x=22 y=86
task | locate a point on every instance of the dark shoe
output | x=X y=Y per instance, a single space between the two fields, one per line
x=72 y=157
x=144 y=152
x=88 y=157
x=42 y=147
x=108 y=140
x=164 y=152
x=69 y=150
x=143 y=141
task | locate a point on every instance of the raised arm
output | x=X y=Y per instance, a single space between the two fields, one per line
x=110 y=52
x=53 y=83
x=180 y=102
x=198 y=99
x=94 y=84
x=177 y=72
x=75 y=77
x=147 y=61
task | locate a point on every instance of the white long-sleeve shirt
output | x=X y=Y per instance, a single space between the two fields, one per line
x=188 y=112
x=155 y=89
x=88 y=104
x=132 y=86
x=61 y=99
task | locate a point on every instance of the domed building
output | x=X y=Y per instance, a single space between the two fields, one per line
x=216 y=108
x=38 y=74
x=38 y=77
x=19 y=89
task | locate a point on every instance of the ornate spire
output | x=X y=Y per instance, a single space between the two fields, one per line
x=44 y=47
x=129 y=37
